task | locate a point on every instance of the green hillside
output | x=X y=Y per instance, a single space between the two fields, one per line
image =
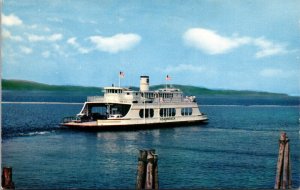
x=189 y=90
x=30 y=86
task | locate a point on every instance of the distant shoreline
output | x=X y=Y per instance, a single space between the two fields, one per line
x=21 y=85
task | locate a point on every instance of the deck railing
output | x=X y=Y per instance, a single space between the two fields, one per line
x=156 y=100
x=69 y=119
x=95 y=98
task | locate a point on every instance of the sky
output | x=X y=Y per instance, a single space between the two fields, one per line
x=238 y=44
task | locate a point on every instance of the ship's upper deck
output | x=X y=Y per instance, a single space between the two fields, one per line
x=127 y=95
x=143 y=95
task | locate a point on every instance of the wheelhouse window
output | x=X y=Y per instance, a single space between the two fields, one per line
x=114 y=91
x=149 y=95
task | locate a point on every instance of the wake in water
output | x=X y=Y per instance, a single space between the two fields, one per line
x=35 y=133
x=23 y=131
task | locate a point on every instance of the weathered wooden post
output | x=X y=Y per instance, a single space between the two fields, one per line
x=156 y=184
x=283 y=172
x=290 y=169
x=147 y=175
x=7 y=182
x=142 y=161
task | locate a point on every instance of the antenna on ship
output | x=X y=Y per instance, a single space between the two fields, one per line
x=121 y=75
x=167 y=79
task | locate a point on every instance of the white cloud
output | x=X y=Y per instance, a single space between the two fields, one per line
x=11 y=20
x=271 y=72
x=212 y=43
x=46 y=54
x=60 y=50
x=55 y=37
x=25 y=50
x=35 y=38
x=50 y=38
x=7 y=35
x=72 y=41
x=116 y=43
x=185 y=67
x=268 y=48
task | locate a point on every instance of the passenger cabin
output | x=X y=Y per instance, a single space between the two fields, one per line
x=117 y=101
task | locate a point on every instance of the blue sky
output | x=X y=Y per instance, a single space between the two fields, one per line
x=242 y=45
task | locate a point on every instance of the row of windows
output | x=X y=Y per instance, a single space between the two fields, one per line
x=186 y=111
x=148 y=113
x=154 y=95
x=114 y=91
x=147 y=95
x=165 y=112
x=160 y=95
x=166 y=95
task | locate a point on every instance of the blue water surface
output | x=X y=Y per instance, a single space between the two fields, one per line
x=238 y=148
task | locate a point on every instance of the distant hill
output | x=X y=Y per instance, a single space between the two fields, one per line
x=30 y=86
x=189 y=90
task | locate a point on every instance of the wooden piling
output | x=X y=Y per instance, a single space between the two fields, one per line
x=142 y=161
x=147 y=175
x=156 y=184
x=7 y=182
x=283 y=171
x=286 y=166
x=290 y=171
x=279 y=161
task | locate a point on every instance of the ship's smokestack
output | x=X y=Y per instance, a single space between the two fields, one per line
x=144 y=83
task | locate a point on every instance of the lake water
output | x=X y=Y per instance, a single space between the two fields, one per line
x=238 y=148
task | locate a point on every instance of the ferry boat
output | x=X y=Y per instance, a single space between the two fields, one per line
x=123 y=109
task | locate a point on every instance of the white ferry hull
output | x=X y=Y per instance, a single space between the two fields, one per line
x=123 y=125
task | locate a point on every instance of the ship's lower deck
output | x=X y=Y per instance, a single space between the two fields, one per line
x=123 y=125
